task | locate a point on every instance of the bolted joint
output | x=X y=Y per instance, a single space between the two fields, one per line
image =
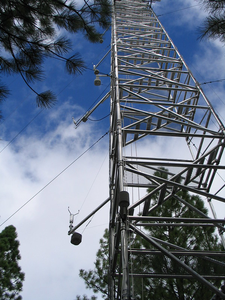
x=120 y=164
x=119 y=124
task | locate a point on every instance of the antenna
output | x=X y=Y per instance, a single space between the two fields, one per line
x=72 y=218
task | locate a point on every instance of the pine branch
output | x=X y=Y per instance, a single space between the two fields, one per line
x=45 y=99
x=91 y=283
x=26 y=27
x=214 y=28
x=4 y=92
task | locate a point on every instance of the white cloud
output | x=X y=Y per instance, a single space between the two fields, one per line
x=210 y=57
x=188 y=13
x=50 y=262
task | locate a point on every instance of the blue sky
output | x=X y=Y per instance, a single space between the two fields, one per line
x=50 y=143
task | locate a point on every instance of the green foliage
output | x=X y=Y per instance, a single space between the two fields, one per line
x=187 y=237
x=97 y=279
x=29 y=34
x=214 y=25
x=11 y=277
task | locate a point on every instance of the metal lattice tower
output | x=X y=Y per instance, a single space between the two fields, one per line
x=154 y=96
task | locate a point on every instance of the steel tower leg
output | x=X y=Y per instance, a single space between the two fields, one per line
x=155 y=96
